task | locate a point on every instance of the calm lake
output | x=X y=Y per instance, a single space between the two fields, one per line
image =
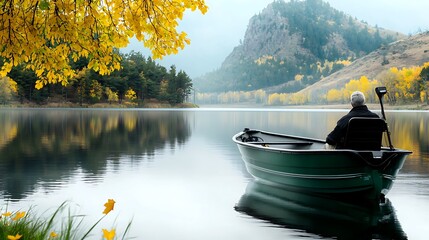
x=176 y=174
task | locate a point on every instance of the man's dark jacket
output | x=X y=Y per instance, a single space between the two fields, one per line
x=336 y=137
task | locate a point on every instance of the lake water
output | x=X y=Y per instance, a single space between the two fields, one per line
x=177 y=174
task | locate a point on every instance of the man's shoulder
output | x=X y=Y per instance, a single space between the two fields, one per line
x=361 y=111
x=369 y=114
x=374 y=114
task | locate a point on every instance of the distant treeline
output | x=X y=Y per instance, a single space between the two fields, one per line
x=139 y=79
x=406 y=85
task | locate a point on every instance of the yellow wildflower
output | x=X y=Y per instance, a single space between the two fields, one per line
x=19 y=215
x=109 y=235
x=53 y=235
x=109 y=206
x=7 y=214
x=16 y=237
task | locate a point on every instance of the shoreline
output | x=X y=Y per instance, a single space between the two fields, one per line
x=123 y=105
x=371 y=106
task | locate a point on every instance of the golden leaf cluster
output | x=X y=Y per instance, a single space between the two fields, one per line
x=47 y=34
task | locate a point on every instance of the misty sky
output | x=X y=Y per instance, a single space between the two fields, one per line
x=215 y=34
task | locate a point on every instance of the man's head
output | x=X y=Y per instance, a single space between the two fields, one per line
x=357 y=99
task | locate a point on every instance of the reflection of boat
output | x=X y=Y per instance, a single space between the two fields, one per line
x=320 y=215
x=305 y=164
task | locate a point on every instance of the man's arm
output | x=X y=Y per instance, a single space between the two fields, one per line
x=339 y=132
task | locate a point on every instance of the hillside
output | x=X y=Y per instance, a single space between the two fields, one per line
x=412 y=51
x=294 y=44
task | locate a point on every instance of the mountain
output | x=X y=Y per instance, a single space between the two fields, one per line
x=294 y=44
x=412 y=51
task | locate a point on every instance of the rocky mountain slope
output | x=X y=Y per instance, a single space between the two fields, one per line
x=412 y=51
x=277 y=32
x=293 y=39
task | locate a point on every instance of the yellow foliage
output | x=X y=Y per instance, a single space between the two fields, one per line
x=130 y=95
x=274 y=99
x=45 y=34
x=299 y=77
x=423 y=96
x=405 y=84
x=298 y=98
x=344 y=62
x=111 y=96
x=13 y=86
x=262 y=60
x=284 y=99
x=260 y=96
x=96 y=90
x=8 y=89
x=231 y=97
x=364 y=85
x=334 y=95
x=327 y=65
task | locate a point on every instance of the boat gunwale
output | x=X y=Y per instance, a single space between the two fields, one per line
x=308 y=151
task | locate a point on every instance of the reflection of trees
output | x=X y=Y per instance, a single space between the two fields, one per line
x=410 y=131
x=49 y=145
x=8 y=130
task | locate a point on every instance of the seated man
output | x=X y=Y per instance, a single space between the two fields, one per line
x=335 y=139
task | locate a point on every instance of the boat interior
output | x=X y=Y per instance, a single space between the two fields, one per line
x=362 y=134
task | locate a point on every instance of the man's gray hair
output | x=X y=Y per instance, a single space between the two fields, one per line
x=357 y=99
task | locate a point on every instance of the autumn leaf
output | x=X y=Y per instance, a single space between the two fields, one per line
x=109 y=206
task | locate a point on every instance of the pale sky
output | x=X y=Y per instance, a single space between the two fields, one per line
x=215 y=34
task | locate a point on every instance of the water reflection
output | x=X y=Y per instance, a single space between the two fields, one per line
x=318 y=215
x=179 y=170
x=49 y=146
x=410 y=130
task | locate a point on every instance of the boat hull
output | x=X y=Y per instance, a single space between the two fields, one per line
x=311 y=168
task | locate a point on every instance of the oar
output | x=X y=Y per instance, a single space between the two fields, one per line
x=381 y=91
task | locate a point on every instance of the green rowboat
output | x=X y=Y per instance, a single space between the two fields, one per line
x=303 y=164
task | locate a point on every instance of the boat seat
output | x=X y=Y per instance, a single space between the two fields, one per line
x=365 y=133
